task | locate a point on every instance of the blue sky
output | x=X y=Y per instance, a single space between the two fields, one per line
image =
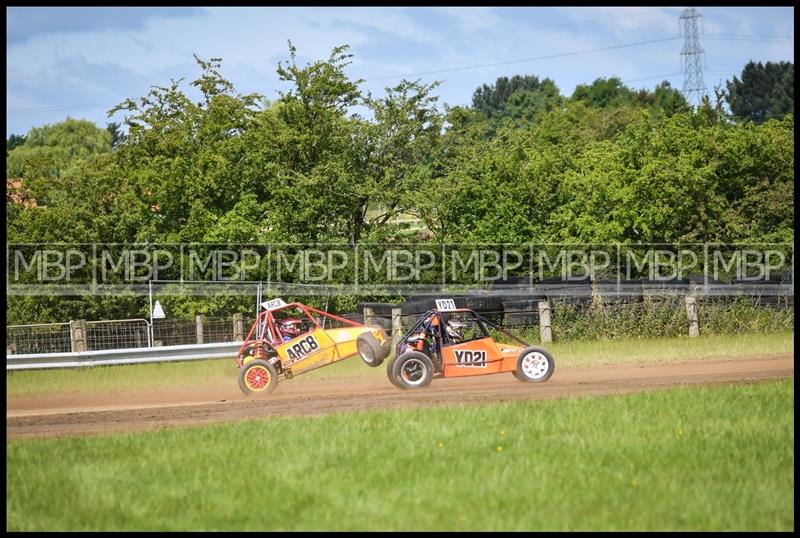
x=80 y=62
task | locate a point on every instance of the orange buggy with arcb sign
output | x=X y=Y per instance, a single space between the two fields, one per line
x=457 y=342
x=291 y=339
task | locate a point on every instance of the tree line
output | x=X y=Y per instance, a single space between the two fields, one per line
x=522 y=163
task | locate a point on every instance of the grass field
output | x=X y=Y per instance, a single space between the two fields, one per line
x=713 y=458
x=567 y=354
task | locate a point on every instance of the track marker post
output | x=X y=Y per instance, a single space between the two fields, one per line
x=238 y=327
x=691 y=313
x=545 y=331
x=199 y=326
x=397 y=329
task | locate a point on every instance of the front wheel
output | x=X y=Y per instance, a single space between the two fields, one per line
x=534 y=365
x=258 y=377
x=411 y=370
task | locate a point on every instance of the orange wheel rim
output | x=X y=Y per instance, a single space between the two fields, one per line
x=257 y=378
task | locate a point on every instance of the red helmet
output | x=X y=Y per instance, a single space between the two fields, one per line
x=289 y=327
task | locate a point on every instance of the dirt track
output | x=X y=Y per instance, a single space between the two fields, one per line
x=140 y=410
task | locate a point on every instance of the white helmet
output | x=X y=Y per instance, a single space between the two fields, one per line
x=454 y=327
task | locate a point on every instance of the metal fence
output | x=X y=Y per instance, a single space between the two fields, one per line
x=41 y=338
x=602 y=317
x=580 y=316
x=35 y=361
x=117 y=334
x=176 y=332
x=120 y=341
x=122 y=334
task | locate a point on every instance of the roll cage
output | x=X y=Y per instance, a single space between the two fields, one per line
x=432 y=323
x=265 y=332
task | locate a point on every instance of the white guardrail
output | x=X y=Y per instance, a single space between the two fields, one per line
x=77 y=359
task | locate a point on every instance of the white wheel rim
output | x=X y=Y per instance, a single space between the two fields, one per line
x=535 y=365
x=412 y=363
x=364 y=356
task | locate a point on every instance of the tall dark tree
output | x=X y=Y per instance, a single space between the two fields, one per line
x=765 y=91
x=14 y=141
x=492 y=99
x=117 y=135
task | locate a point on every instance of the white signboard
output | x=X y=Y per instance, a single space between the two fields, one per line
x=445 y=304
x=273 y=304
x=158 y=312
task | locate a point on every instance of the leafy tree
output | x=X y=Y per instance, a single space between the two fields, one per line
x=77 y=138
x=310 y=142
x=317 y=105
x=687 y=178
x=177 y=151
x=664 y=99
x=525 y=105
x=604 y=92
x=393 y=151
x=48 y=153
x=765 y=91
x=335 y=175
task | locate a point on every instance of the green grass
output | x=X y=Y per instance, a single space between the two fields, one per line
x=123 y=377
x=567 y=354
x=588 y=352
x=702 y=458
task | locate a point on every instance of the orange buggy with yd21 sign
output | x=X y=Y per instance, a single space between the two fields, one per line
x=458 y=342
x=291 y=339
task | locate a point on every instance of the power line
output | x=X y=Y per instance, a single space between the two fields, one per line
x=547 y=57
x=731 y=37
x=559 y=55
x=669 y=75
x=61 y=108
x=58 y=108
x=734 y=37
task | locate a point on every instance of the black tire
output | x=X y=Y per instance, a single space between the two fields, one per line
x=249 y=387
x=534 y=374
x=411 y=370
x=370 y=350
x=389 y=367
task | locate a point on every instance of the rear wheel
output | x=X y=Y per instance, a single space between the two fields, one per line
x=534 y=365
x=370 y=349
x=411 y=370
x=258 y=377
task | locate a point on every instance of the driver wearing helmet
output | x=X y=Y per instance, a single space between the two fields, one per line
x=289 y=329
x=454 y=328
